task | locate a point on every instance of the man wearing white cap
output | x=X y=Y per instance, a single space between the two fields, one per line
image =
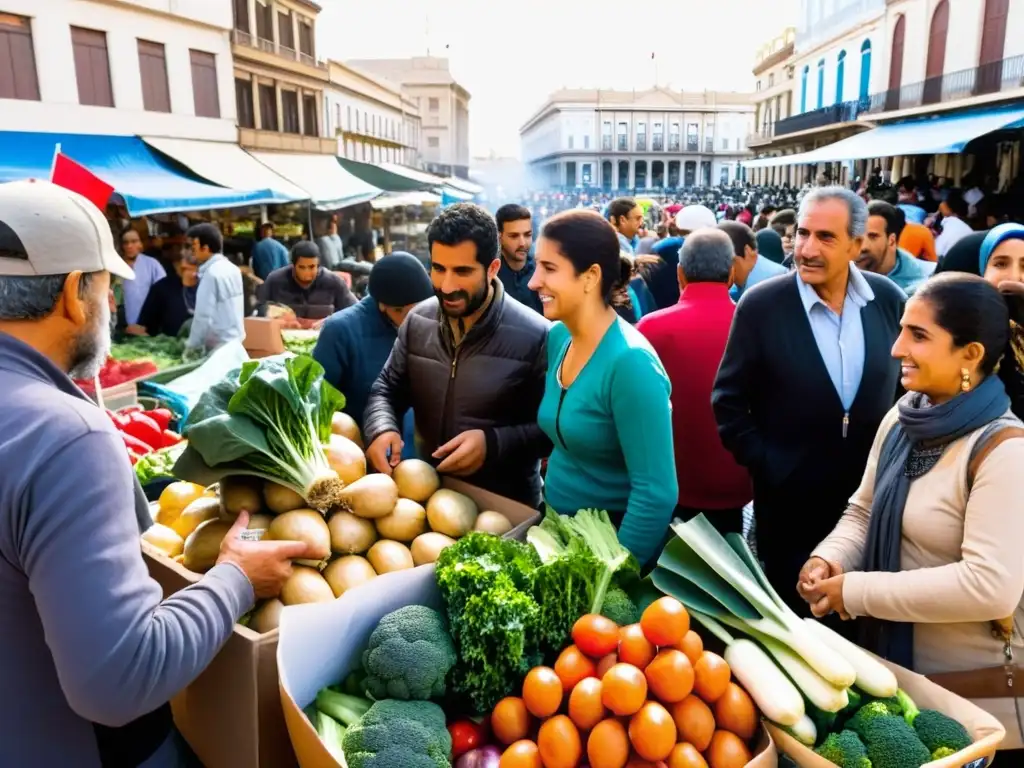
x=90 y=652
x=662 y=280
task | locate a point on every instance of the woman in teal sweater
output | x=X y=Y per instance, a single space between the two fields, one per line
x=606 y=402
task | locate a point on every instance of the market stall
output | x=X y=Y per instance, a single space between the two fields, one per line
x=442 y=625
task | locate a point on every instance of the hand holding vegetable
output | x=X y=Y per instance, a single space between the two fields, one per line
x=463 y=454
x=378 y=452
x=267 y=564
x=816 y=569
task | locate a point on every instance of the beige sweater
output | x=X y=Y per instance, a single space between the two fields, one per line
x=962 y=560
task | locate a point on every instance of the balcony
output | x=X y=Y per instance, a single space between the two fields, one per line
x=673 y=144
x=709 y=144
x=245 y=39
x=843 y=112
x=606 y=143
x=658 y=144
x=983 y=80
x=692 y=145
x=623 y=144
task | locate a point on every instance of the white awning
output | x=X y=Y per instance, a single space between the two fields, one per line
x=403 y=199
x=413 y=174
x=463 y=185
x=327 y=184
x=227 y=165
x=936 y=135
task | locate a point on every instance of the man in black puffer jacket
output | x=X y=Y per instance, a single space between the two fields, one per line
x=471 y=363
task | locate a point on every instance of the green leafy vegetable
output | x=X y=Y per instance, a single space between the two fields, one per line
x=158 y=463
x=269 y=419
x=409 y=655
x=162 y=351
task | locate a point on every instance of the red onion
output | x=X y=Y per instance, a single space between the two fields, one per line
x=481 y=757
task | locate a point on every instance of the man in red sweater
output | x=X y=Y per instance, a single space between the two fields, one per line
x=690 y=340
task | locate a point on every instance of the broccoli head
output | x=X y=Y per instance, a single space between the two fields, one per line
x=937 y=730
x=409 y=655
x=942 y=752
x=618 y=607
x=399 y=734
x=845 y=749
x=892 y=743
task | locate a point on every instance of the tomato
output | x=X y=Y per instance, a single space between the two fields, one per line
x=466 y=735
x=595 y=635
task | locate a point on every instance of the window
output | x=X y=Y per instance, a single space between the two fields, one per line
x=586 y=141
x=204 y=84
x=759 y=85
x=570 y=141
x=692 y=138
x=803 y=88
x=840 y=73
x=821 y=83
x=309 y=115
x=156 y=96
x=242 y=15
x=587 y=174
x=264 y=20
x=348 y=118
x=306 y=38
x=658 y=138
x=290 y=111
x=433 y=142
x=268 y=108
x=433 y=104
x=243 y=103
x=17 y=59
x=641 y=136
x=606 y=135
x=92 y=67
x=771 y=79
x=865 y=69
x=673 y=144
x=623 y=137
x=285 y=31
x=725 y=143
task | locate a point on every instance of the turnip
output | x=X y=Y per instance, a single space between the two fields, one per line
x=305 y=525
x=202 y=547
x=346 y=458
x=345 y=573
x=416 y=480
x=492 y=522
x=305 y=585
x=344 y=425
x=451 y=513
x=351 y=535
x=280 y=499
x=267 y=617
x=238 y=493
x=199 y=511
x=370 y=497
x=164 y=539
x=427 y=547
x=407 y=522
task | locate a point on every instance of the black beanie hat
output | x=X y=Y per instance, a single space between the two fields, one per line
x=399 y=279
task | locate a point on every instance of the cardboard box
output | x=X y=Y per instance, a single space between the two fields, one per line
x=986 y=730
x=320 y=644
x=263 y=337
x=231 y=714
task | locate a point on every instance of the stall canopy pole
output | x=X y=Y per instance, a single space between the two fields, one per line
x=53 y=165
x=309 y=219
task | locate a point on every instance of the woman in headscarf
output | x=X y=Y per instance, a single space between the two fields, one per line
x=998 y=256
x=927 y=555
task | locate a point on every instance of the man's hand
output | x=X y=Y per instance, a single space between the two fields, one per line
x=464 y=454
x=831 y=591
x=378 y=452
x=136 y=330
x=815 y=570
x=267 y=564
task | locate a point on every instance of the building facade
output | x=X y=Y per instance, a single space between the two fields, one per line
x=278 y=80
x=373 y=121
x=773 y=91
x=654 y=139
x=443 y=106
x=131 y=67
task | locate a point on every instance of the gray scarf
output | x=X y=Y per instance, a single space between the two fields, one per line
x=910 y=450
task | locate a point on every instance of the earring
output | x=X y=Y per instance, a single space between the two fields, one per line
x=965 y=380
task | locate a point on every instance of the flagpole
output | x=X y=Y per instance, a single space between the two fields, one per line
x=53 y=165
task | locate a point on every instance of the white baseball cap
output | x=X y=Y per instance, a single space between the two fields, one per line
x=694 y=217
x=49 y=230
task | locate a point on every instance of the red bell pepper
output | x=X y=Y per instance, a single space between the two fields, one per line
x=466 y=735
x=135 y=445
x=170 y=438
x=133 y=409
x=161 y=416
x=145 y=429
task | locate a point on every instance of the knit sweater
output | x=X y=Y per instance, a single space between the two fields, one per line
x=960 y=558
x=612 y=434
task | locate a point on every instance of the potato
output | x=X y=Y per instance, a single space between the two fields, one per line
x=345 y=458
x=164 y=539
x=350 y=535
x=174 y=498
x=492 y=522
x=238 y=493
x=451 y=513
x=348 y=572
x=416 y=480
x=305 y=585
x=280 y=499
x=426 y=548
x=267 y=616
x=306 y=525
x=386 y=556
x=199 y=511
x=202 y=547
x=407 y=522
x=370 y=497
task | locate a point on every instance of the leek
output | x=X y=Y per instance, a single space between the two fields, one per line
x=702 y=570
x=803 y=731
x=776 y=697
x=873 y=677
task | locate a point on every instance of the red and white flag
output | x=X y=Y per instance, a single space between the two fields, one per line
x=70 y=175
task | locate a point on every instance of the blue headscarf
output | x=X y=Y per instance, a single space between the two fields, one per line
x=995 y=236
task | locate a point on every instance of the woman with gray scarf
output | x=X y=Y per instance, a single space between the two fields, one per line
x=927 y=556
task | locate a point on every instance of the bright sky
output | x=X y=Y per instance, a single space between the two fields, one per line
x=511 y=55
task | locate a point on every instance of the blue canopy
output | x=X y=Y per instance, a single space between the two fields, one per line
x=148 y=181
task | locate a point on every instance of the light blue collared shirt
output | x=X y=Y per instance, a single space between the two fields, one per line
x=220 y=305
x=840 y=338
x=763 y=269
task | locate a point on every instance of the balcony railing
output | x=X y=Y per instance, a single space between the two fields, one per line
x=606 y=143
x=692 y=145
x=623 y=143
x=673 y=143
x=996 y=77
x=242 y=37
x=289 y=53
x=641 y=143
x=709 y=144
x=265 y=45
x=843 y=112
x=658 y=144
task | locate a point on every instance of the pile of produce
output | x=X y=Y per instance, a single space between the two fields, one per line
x=144 y=432
x=642 y=695
x=163 y=351
x=115 y=372
x=804 y=677
x=377 y=524
x=299 y=341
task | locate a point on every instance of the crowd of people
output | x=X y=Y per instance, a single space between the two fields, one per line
x=802 y=360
